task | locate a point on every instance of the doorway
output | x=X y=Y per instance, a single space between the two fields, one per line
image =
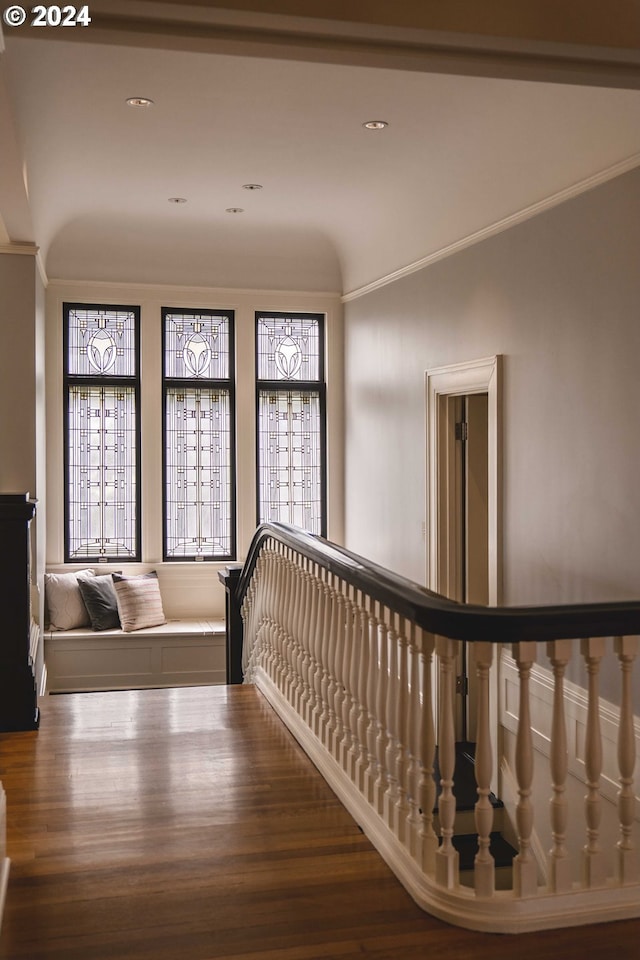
x=467 y=516
x=463 y=501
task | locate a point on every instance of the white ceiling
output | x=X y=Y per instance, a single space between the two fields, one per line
x=340 y=208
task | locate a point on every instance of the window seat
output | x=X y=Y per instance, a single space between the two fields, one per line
x=177 y=653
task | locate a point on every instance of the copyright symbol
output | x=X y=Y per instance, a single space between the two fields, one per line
x=14 y=16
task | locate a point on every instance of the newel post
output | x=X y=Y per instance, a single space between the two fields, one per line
x=229 y=578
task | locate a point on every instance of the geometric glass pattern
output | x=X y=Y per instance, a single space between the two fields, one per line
x=289 y=347
x=101 y=472
x=290 y=470
x=102 y=449
x=291 y=419
x=199 y=486
x=196 y=345
x=101 y=341
x=198 y=497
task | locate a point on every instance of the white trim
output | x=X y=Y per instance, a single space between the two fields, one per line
x=160 y=292
x=28 y=249
x=624 y=166
x=460 y=379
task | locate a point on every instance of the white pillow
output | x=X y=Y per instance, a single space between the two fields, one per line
x=139 y=601
x=65 y=606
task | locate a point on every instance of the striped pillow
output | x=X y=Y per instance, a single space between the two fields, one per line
x=139 y=601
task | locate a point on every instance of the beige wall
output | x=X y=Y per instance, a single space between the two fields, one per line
x=17 y=374
x=559 y=297
x=22 y=401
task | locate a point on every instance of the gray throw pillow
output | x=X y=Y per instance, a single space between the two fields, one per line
x=100 y=600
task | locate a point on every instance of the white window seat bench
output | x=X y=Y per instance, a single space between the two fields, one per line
x=178 y=653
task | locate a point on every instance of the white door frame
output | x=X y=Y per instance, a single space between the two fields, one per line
x=460 y=379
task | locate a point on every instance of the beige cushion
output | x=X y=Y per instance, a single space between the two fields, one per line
x=139 y=601
x=65 y=606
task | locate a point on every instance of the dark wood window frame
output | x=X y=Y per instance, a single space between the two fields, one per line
x=73 y=381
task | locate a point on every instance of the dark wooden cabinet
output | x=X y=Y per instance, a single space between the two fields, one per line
x=18 y=690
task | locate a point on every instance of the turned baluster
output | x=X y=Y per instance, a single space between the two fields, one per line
x=305 y=627
x=484 y=876
x=393 y=722
x=343 y=635
x=525 y=882
x=627 y=863
x=291 y=647
x=359 y=718
x=325 y=640
x=382 y=731
x=428 y=841
x=323 y=602
x=593 y=864
x=559 y=653
x=352 y=750
x=413 y=741
x=446 y=856
x=262 y=651
x=283 y=616
x=299 y=637
x=403 y=726
x=373 y=681
x=306 y=706
x=332 y=653
x=270 y=662
x=272 y=569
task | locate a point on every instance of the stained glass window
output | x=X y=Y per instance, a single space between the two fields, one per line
x=102 y=451
x=199 y=500
x=289 y=348
x=291 y=420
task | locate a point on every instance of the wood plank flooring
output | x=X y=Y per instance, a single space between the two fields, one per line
x=187 y=824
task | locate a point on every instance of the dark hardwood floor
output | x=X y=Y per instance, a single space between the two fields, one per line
x=187 y=824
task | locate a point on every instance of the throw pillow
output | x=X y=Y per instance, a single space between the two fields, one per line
x=100 y=600
x=65 y=606
x=139 y=601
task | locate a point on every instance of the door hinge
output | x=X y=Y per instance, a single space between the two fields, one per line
x=462 y=685
x=462 y=430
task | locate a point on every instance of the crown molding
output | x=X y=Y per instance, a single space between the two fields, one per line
x=179 y=292
x=610 y=173
x=28 y=249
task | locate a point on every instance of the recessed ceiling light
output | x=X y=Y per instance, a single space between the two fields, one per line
x=234 y=210
x=177 y=199
x=375 y=124
x=252 y=186
x=139 y=102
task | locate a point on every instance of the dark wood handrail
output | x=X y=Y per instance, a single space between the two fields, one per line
x=435 y=613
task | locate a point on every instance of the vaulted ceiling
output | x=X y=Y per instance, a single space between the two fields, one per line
x=244 y=96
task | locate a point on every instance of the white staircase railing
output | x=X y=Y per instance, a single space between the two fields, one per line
x=360 y=665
